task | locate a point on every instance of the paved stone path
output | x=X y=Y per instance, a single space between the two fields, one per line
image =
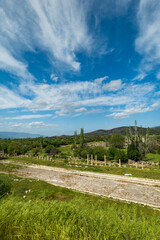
x=137 y=190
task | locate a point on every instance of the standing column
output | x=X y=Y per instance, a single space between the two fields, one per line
x=87 y=159
x=92 y=159
x=119 y=162
x=142 y=165
x=136 y=164
x=96 y=160
x=105 y=160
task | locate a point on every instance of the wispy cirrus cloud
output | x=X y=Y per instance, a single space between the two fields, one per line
x=21 y=117
x=147 y=42
x=50 y=26
x=11 y=99
x=82 y=97
x=134 y=109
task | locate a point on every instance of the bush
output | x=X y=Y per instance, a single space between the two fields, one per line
x=80 y=152
x=5 y=187
x=117 y=140
x=111 y=153
x=133 y=152
x=52 y=150
x=99 y=151
x=120 y=154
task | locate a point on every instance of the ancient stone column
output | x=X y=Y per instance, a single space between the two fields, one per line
x=96 y=160
x=136 y=164
x=142 y=165
x=92 y=159
x=105 y=160
x=87 y=159
x=119 y=162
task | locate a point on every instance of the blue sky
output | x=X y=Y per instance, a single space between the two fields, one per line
x=79 y=63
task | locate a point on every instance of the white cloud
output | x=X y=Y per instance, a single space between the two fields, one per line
x=11 y=99
x=100 y=80
x=140 y=76
x=158 y=75
x=77 y=97
x=56 y=29
x=12 y=65
x=50 y=26
x=114 y=85
x=147 y=42
x=54 y=77
x=30 y=116
x=130 y=110
x=30 y=125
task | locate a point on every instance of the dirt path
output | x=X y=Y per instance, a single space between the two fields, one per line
x=138 y=190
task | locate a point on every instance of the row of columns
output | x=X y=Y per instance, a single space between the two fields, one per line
x=105 y=161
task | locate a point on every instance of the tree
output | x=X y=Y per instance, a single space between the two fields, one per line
x=117 y=140
x=82 y=138
x=139 y=143
x=75 y=140
x=14 y=148
x=133 y=151
x=120 y=154
x=111 y=153
x=99 y=151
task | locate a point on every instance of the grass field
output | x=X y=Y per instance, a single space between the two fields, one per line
x=152 y=157
x=50 y=212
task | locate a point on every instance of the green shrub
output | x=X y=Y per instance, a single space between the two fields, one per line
x=120 y=154
x=99 y=151
x=111 y=153
x=133 y=152
x=5 y=187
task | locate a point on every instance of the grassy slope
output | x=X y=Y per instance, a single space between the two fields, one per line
x=50 y=212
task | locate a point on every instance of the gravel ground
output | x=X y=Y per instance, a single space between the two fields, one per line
x=137 y=190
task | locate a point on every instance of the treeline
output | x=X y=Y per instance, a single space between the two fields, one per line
x=137 y=142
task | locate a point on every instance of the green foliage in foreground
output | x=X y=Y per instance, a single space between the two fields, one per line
x=49 y=212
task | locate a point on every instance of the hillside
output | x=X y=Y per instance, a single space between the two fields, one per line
x=121 y=130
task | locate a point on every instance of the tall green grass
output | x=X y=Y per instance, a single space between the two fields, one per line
x=49 y=212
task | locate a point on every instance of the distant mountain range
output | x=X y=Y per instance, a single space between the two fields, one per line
x=18 y=135
x=100 y=132
x=121 y=130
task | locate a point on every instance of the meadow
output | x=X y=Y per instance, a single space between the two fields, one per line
x=37 y=210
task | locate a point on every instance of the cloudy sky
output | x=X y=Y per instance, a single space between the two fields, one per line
x=79 y=63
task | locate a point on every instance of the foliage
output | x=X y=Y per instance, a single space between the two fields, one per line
x=120 y=154
x=139 y=142
x=117 y=140
x=35 y=151
x=14 y=148
x=133 y=151
x=82 y=138
x=111 y=152
x=50 y=212
x=5 y=187
x=52 y=150
x=80 y=152
x=99 y=151
x=152 y=145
